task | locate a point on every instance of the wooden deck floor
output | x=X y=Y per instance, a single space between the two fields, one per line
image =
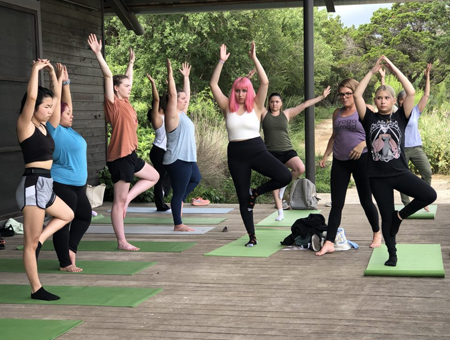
x=290 y=295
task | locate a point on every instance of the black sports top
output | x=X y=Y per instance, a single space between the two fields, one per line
x=38 y=147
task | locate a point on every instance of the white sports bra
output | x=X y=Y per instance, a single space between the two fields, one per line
x=242 y=127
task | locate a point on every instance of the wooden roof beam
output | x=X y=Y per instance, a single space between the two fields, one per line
x=127 y=17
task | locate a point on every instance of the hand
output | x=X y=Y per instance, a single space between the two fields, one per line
x=382 y=72
x=49 y=68
x=387 y=63
x=377 y=66
x=252 y=52
x=131 y=57
x=251 y=73
x=94 y=44
x=223 y=53
x=39 y=64
x=169 y=66
x=61 y=72
x=185 y=69
x=428 y=70
x=323 y=162
x=356 y=152
x=150 y=78
x=326 y=92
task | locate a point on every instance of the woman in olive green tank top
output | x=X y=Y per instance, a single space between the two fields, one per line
x=276 y=136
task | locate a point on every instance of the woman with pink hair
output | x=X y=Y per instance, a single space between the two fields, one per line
x=246 y=149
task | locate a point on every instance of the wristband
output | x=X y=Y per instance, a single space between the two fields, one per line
x=66 y=82
x=221 y=61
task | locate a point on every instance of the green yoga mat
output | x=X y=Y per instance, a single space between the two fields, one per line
x=268 y=243
x=26 y=329
x=290 y=216
x=190 y=221
x=89 y=267
x=413 y=260
x=80 y=295
x=146 y=246
x=422 y=213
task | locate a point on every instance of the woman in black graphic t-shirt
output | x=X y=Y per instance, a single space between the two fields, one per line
x=387 y=167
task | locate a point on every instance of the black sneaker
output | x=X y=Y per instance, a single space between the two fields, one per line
x=252 y=242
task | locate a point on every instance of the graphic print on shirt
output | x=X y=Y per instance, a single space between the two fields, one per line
x=347 y=124
x=386 y=140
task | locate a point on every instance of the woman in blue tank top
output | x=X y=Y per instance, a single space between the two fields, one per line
x=348 y=144
x=69 y=172
x=35 y=195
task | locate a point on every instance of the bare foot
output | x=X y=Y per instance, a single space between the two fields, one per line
x=182 y=206
x=127 y=246
x=376 y=241
x=182 y=227
x=71 y=269
x=328 y=247
x=73 y=257
x=427 y=209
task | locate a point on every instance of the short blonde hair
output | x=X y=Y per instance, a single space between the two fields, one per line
x=350 y=83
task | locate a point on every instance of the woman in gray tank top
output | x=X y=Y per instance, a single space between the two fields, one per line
x=348 y=144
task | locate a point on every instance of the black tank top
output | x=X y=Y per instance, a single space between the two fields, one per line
x=38 y=147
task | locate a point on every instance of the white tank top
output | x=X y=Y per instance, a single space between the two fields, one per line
x=242 y=127
x=160 y=136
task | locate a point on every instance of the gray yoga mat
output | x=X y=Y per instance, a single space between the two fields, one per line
x=154 y=230
x=200 y=210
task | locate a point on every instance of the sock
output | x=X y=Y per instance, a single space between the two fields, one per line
x=282 y=190
x=392 y=261
x=280 y=215
x=38 y=250
x=395 y=225
x=42 y=294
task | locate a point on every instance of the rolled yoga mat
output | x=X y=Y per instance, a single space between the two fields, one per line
x=190 y=221
x=290 y=216
x=146 y=246
x=80 y=295
x=147 y=230
x=422 y=213
x=89 y=267
x=268 y=243
x=199 y=210
x=413 y=260
x=35 y=329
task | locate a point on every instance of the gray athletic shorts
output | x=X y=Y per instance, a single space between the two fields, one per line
x=35 y=188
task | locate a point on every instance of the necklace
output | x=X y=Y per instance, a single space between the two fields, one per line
x=37 y=125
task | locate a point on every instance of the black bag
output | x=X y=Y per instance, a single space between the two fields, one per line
x=306 y=227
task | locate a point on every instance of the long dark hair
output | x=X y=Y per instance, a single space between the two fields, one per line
x=43 y=92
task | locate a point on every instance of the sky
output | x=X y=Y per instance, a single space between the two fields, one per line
x=358 y=14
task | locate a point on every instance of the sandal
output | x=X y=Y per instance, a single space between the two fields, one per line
x=2 y=244
x=7 y=231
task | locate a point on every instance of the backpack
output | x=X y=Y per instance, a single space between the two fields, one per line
x=303 y=195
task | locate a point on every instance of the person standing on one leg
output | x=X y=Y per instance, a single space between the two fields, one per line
x=275 y=124
x=348 y=144
x=246 y=149
x=122 y=160
x=34 y=195
x=387 y=167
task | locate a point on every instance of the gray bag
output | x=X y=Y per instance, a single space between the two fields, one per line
x=303 y=195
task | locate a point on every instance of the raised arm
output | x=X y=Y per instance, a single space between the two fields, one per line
x=294 y=111
x=155 y=117
x=96 y=47
x=185 y=71
x=172 y=118
x=426 y=93
x=129 y=71
x=63 y=81
x=264 y=81
x=359 y=91
x=382 y=73
x=24 y=121
x=408 y=103
x=220 y=98
x=55 y=86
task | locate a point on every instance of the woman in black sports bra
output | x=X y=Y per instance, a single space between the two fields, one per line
x=35 y=195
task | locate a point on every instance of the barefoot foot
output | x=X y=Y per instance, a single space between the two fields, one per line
x=71 y=269
x=182 y=227
x=127 y=246
x=427 y=209
x=328 y=247
x=376 y=241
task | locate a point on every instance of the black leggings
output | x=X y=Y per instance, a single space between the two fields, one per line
x=340 y=177
x=248 y=155
x=162 y=187
x=70 y=235
x=407 y=183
